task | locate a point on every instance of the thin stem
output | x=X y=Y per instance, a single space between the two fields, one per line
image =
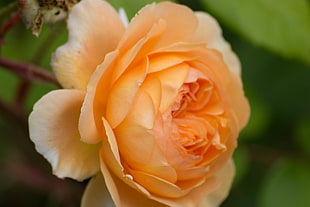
x=21 y=95
x=29 y=72
x=12 y=21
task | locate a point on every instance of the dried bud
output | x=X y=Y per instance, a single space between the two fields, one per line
x=36 y=12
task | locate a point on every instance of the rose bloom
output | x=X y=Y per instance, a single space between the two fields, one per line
x=151 y=111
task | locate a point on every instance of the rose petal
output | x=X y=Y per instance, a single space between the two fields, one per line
x=225 y=176
x=96 y=193
x=94 y=30
x=53 y=128
x=209 y=31
x=152 y=87
x=170 y=83
x=135 y=137
x=177 y=17
x=209 y=194
x=122 y=94
x=123 y=195
x=89 y=124
x=157 y=185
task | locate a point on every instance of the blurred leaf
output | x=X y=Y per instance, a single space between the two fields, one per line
x=242 y=161
x=303 y=135
x=259 y=118
x=8 y=85
x=131 y=7
x=282 y=26
x=287 y=185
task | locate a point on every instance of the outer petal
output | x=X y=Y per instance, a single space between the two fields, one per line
x=209 y=31
x=226 y=176
x=53 y=126
x=96 y=193
x=94 y=30
x=176 y=17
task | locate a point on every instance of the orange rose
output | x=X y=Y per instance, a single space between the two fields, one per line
x=155 y=108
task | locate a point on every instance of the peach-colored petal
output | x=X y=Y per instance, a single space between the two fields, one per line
x=53 y=126
x=135 y=137
x=157 y=185
x=209 y=194
x=225 y=176
x=96 y=193
x=123 y=195
x=89 y=123
x=94 y=30
x=177 y=18
x=209 y=31
x=170 y=83
x=152 y=87
x=123 y=93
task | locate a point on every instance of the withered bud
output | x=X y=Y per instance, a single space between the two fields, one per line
x=36 y=12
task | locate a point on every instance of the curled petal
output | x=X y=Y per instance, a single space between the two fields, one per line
x=176 y=17
x=53 y=128
x=94 y=30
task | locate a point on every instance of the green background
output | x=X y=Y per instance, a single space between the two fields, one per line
x=272 y=41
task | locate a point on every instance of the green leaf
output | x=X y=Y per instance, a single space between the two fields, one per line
x=282 y=26
x=242 y=162
x=259 y=118
x=287 y=185
x=131 y=7
x=303 y=135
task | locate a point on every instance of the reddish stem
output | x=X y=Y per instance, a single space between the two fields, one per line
x=12 y=21
x=28 y=71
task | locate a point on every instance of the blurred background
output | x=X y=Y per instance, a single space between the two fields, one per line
x=272 y=41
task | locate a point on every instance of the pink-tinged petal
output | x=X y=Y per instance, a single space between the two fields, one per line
x=123 y=93
x=94 y=30
x=209 y=31
x=228 y=82
x=53 y=126
x=135 y=137
x=176 y=18
x=90 y=122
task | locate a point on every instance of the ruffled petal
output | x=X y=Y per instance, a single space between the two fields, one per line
x=94 y=30
x=53 y=126
x=209 y=31
x=176 y=18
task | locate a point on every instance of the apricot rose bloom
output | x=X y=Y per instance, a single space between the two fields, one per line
x=151 y=110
